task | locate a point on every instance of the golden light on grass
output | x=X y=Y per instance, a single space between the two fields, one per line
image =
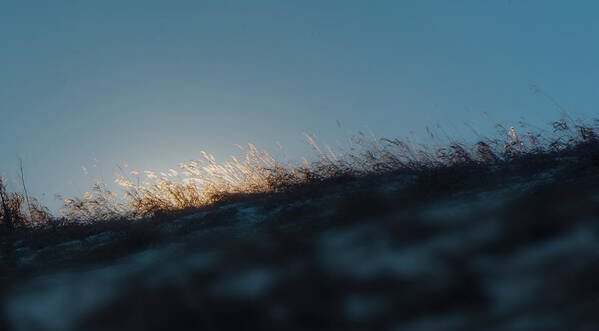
x=202 y=182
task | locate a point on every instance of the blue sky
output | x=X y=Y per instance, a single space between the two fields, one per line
x=152 y=83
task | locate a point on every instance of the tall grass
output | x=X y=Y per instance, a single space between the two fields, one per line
x=19 y=210
x=204 y=182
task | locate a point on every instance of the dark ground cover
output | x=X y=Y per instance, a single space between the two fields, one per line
x=511 y=245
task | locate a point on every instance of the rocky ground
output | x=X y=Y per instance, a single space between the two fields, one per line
x=507 y=247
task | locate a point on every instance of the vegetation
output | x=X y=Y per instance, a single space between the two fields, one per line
x=435 y=230
x=205 y=182
x=19 y=210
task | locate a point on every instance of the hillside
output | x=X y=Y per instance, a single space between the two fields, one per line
x=510 y=245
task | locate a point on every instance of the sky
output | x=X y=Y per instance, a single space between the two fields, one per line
x=152 y=83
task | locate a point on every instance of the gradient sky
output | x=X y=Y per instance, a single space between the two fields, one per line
x=152 y=83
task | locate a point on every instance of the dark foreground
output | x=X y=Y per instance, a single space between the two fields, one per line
x=507 y=247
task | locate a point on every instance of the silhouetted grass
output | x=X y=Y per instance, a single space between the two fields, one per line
x=202 y=183
x=18 y=210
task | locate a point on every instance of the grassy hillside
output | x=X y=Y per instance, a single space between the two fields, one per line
x=499 y=235
x=201 y=183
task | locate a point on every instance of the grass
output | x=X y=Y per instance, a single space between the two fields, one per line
x=378 y=197
x=205 y=182
x=19 y=210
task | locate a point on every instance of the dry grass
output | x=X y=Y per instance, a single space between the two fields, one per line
x=203 y=182
x=19 y=210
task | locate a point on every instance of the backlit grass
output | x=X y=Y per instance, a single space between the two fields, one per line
x=203 y=182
